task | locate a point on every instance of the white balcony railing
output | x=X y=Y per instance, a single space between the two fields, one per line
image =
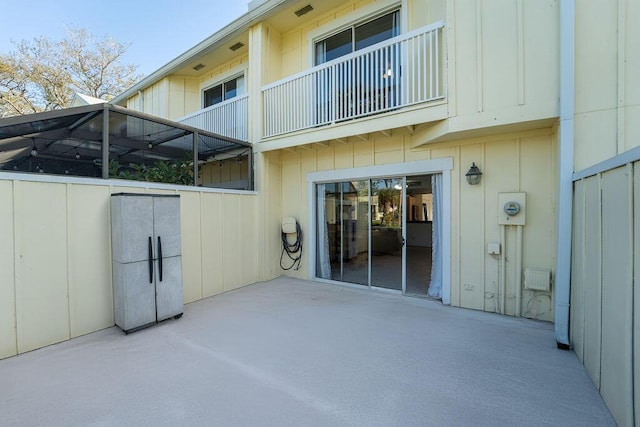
x=228 y=118
x=399 y=72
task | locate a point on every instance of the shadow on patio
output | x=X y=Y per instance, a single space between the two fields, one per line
x=292 y=352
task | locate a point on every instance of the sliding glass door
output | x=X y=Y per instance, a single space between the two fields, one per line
x=360 y=232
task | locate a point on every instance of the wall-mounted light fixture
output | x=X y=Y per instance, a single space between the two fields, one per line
x=474 y=175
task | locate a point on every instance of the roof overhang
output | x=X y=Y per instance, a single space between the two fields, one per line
x=215 y=41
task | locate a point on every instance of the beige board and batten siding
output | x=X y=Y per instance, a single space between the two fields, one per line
x=510 y=163
x=55 y=262
x=607 y=89
x=605 y=301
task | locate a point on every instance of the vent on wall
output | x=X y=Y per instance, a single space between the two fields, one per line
x=236 y=46
x=537 y=279
x=198 y=67
x=308 y=8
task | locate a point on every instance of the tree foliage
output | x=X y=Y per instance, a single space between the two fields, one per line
x=42 y=74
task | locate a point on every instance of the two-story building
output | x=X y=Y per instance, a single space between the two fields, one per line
x=365 y=117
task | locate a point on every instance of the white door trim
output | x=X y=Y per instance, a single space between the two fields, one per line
x=443 y=166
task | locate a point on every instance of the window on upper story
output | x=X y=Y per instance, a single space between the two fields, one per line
x=357 y=37
x=224 y=91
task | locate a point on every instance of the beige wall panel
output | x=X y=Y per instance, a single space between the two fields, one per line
x=325 y=159
x=291 y=181
x=616 y=384
x=472 y=247
x=632 y=56
x=8 y=345
x=388 y=150
x=595 y=137
x=499 y=54
x=42 y=303
x=176 y=98
x=248 y=231
x=541 y=50
x=274 y=55
x=537 y=154
x=592 y=278
x=308 y=161
x=274 y=203
x=577 y=272
x=411 y=155
x=212 y=223
x=501 y=175
x=192 y=101
x=539 y=234
x=424 y=12
x=290 y=63
x=190 y=219
x=596 y=56
x=632 y=126
x=344 y=156
x=463 y=78
x=90 y=284
x=231 y=241
x=206 y=174
x=362 y=153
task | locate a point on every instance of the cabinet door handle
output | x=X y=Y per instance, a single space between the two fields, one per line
x=160 y=257
x=150 y=260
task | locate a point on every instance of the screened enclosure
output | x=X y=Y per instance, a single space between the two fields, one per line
x=111 y=142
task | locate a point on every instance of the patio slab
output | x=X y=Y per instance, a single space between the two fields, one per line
x=293 y=352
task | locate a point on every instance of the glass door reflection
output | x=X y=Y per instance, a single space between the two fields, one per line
x=355 y=232
x=386 y=233
x=343 y=231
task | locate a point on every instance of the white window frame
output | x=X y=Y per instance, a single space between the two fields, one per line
x=423 y=167
x=222 y=79
x=357 y=17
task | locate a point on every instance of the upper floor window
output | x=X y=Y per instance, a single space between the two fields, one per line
x=357 y=37
x=223 y=91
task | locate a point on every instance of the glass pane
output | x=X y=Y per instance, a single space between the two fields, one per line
x=329 y=233
x=230 y=89
x=240 y=86
x=419 y=234
x=334 y=47
x=213 y=96
x=355 y=232
x=386 y=233
x=378 y=30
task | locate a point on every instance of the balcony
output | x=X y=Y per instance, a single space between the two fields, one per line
x=228 y=118
x=400 y=72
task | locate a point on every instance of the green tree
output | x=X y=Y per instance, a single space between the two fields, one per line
x=42 y=74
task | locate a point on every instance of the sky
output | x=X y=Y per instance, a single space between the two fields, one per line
x=159 y=30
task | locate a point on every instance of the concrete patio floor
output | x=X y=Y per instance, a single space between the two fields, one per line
x=292 y=352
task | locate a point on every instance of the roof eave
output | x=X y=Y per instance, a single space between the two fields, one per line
x=234 y=28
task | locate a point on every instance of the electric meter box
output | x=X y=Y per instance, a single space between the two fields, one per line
x=511 y=208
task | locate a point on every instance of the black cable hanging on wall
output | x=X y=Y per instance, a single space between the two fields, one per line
x=293 y=250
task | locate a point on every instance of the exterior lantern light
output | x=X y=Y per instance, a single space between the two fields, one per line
x=474 y=175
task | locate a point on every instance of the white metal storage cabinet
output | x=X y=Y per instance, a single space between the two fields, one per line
x=147 y=259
